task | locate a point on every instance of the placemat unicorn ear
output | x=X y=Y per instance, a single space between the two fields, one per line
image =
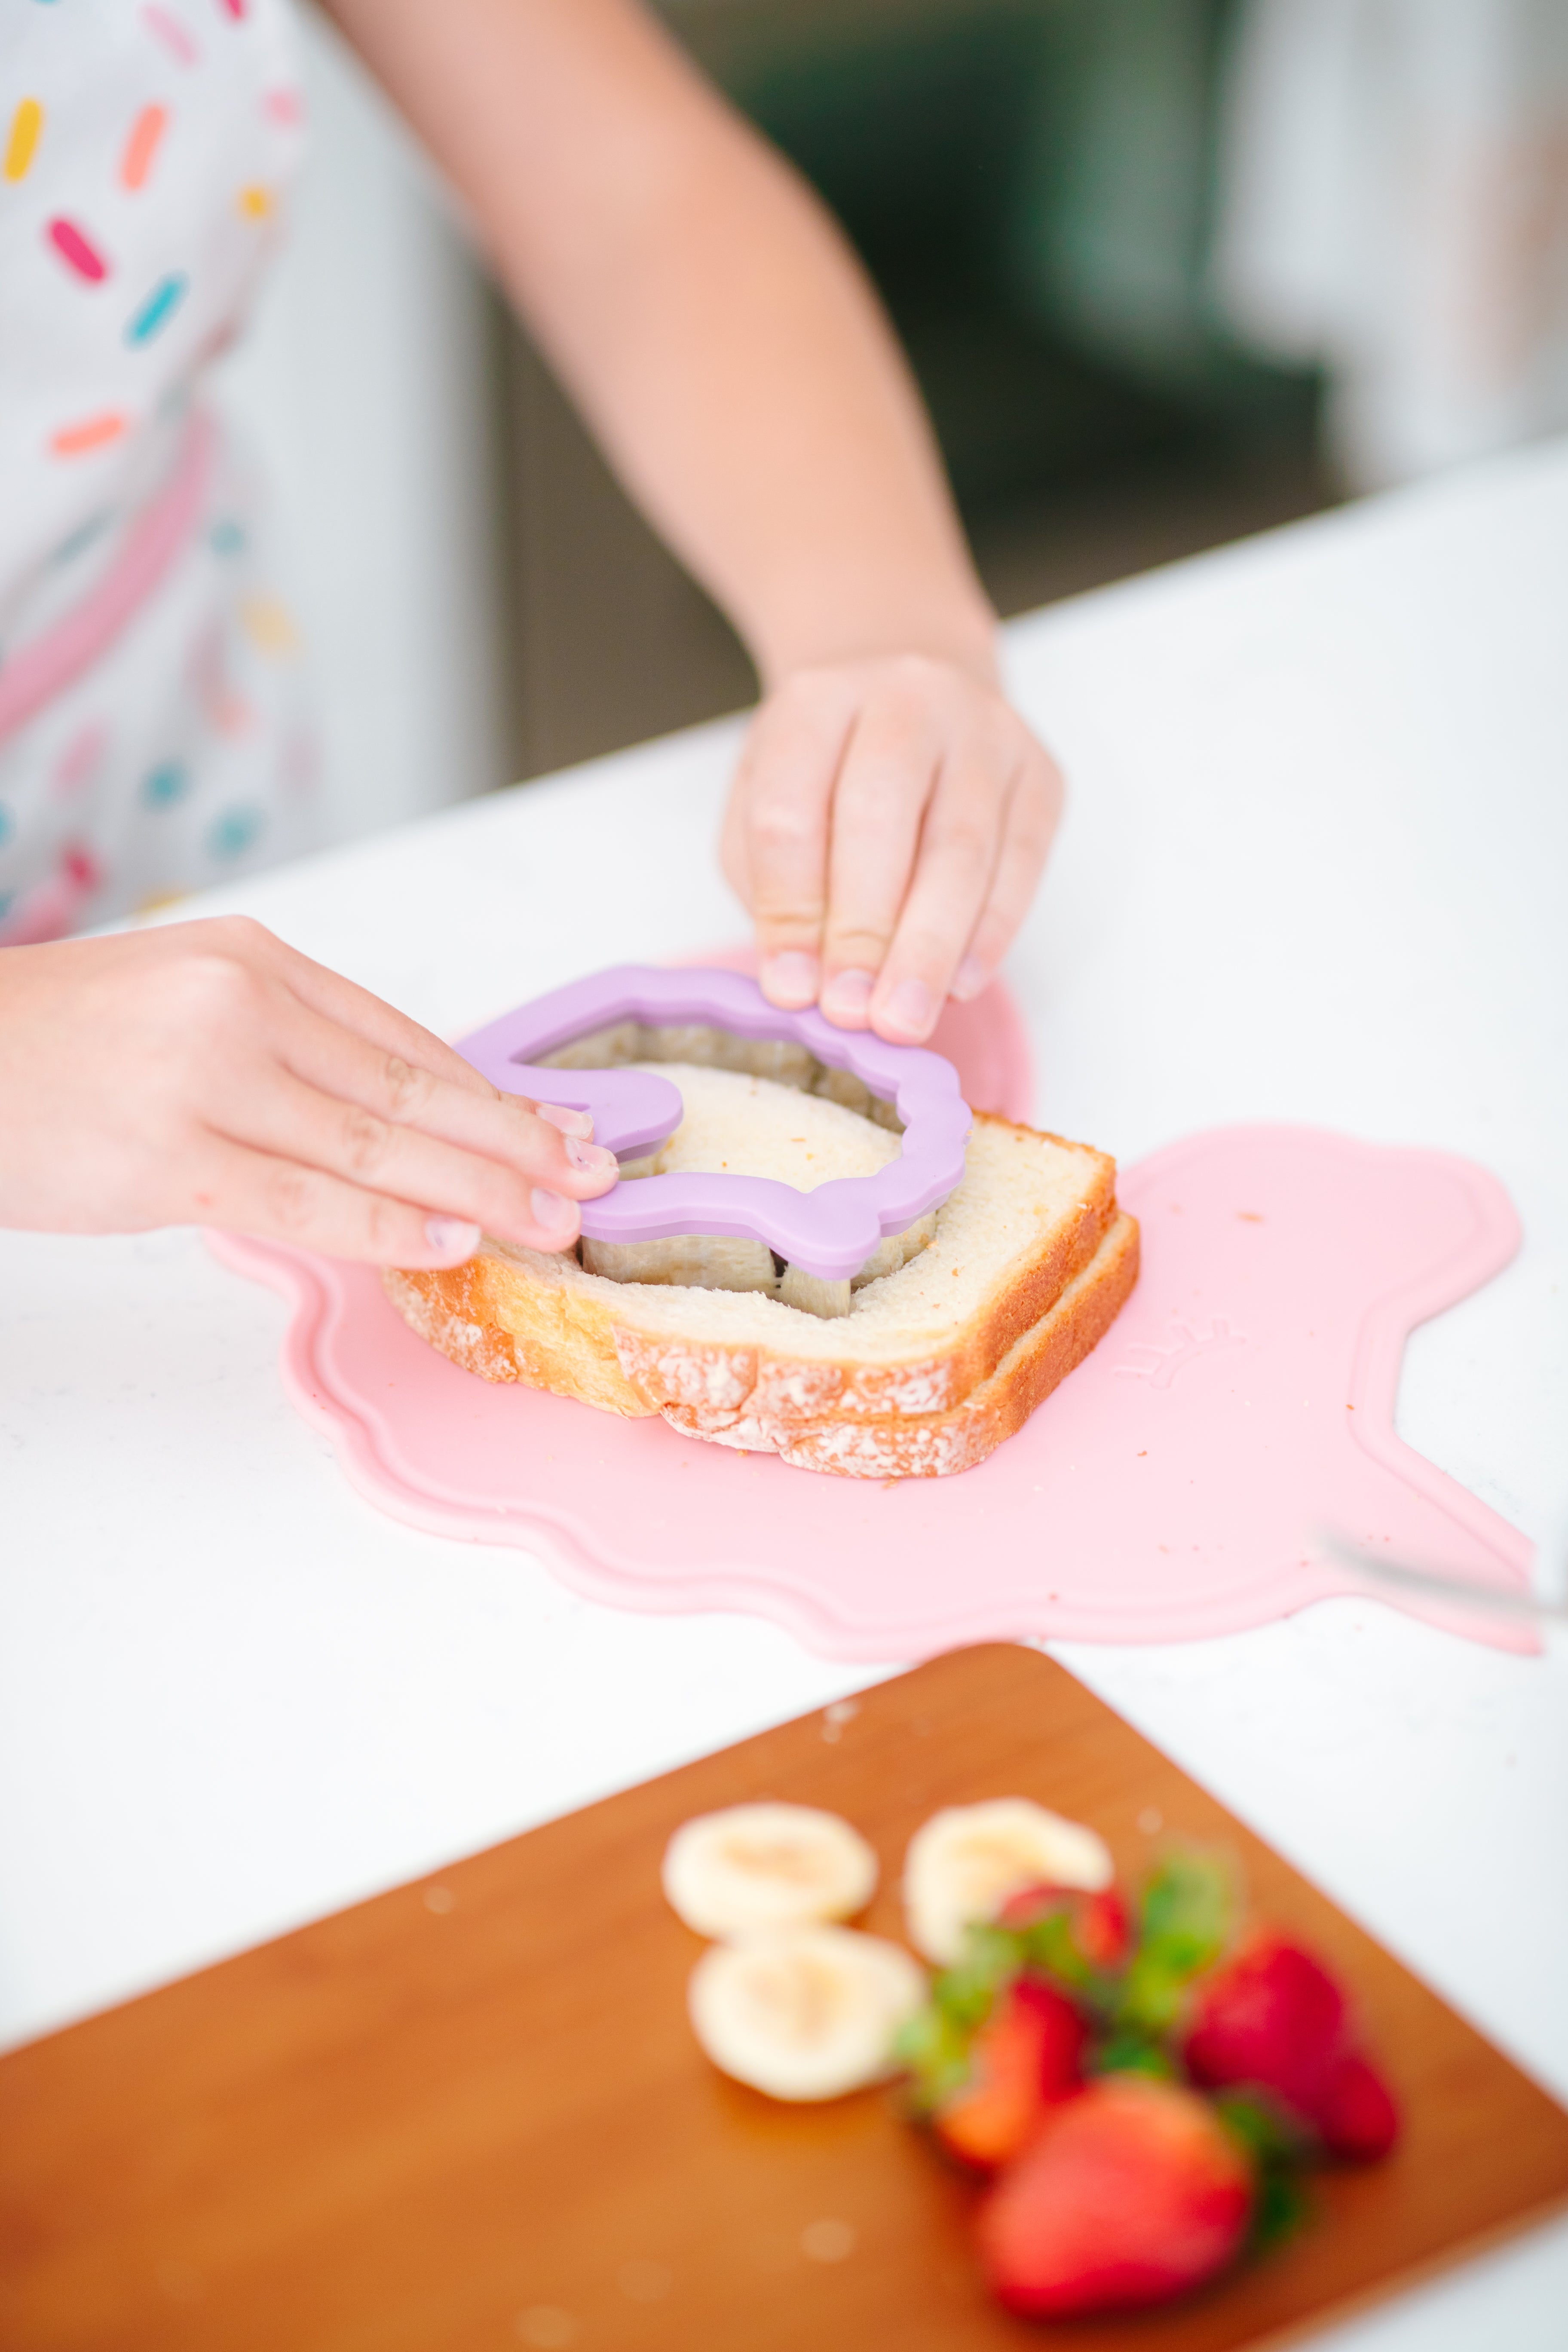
x=571 y=1047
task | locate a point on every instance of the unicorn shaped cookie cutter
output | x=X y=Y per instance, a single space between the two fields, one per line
x=829 y=1233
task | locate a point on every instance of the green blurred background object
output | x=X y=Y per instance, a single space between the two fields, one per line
x=1031 y=184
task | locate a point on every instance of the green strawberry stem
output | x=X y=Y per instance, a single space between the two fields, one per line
x=1278 y=2153
x=1186 y=1917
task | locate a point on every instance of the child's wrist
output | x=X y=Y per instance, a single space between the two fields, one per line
x=967 y=641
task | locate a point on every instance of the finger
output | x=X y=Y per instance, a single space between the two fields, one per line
x=383 y=1088
x=276 y=1199
x=286 y=1118
x=506 y=1129
x=1029 y=824
x=781 y=812
x=960 y=844
x=889 y=775
x=345 y=1001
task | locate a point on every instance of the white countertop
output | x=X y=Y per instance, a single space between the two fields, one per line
x=1315 y=869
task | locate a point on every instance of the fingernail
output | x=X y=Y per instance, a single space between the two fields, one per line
x=550 y=1209
x=789 y=979
x=909 y=1010
x=452 y=1237
x=969 y=979
x=570 y=1122
x=591 y=1157
x=848 y=996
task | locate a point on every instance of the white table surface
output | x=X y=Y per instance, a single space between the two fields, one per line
x=1316 y=868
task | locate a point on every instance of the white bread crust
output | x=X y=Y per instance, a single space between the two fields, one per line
x=912 y=1410
x=939 y=1445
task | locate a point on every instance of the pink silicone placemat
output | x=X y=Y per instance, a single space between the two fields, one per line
x=1244 y=1397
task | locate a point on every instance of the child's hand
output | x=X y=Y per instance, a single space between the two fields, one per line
x=887 y=827
x=205 y=1074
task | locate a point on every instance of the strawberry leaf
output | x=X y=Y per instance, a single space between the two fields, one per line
x=936 y=2054
x=1126 y=2052
x=1185 y=1918
x=1050 y=1946
x=1283 y=2205
x=1277 y=2151
x=1263 y=2129
x=966 y=1992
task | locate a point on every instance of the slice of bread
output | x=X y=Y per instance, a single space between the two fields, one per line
x=935 y=1445
x=935 y=1362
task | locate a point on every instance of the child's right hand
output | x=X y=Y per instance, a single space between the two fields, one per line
x=205 y=1074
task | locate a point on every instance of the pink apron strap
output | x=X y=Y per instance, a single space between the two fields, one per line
x=55 y=906
x=45 y=668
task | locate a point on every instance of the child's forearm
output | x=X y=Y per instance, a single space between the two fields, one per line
x=890 y=814
x=705 y=312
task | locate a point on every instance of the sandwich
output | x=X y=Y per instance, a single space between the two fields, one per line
x=938 y=1349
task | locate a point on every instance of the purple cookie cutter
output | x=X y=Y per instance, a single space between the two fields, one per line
x=830 y=1232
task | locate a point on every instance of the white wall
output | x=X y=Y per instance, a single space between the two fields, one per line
x=363 y=378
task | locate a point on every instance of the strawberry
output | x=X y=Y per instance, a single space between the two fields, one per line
x=1274 y=2017
x=1105 y=1929
x=1099 y=1926
x=1023 y=2059
x=1356 y=2114
x=1134 y=2192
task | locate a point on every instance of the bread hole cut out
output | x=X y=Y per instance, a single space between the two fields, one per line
x=781 y=1059
x=739 y=1121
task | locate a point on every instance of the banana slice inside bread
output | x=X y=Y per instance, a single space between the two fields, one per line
x=751 y=1126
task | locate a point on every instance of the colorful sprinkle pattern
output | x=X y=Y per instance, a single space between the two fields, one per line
x=26 y=122
x=141 y=146
x=77 y=251
x=143 y=153
x=175 y=36
x=90 y=433
x=157 y=310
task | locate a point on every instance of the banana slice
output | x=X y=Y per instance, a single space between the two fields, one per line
x=812 y=1293
x=697 y=1261
x=756 y=1867
x=897 y=1249
x=964 y=1862
x=806 y=2012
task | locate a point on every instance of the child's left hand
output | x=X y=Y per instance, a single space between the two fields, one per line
x=888 y=824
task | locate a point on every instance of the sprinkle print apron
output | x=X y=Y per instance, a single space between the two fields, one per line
x=154 y=722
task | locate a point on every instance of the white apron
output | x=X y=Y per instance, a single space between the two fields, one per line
x=154 y=726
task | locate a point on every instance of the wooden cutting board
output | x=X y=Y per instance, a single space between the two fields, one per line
x=470 y=2113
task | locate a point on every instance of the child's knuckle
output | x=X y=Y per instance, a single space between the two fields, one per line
x=367 y=1141
x=294 y=1197
x=212 y=993
x=780 y=824
x=386 y=1230
x=859 y=942
x=406 y=1087
x=240 y=935
x=968 y=845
